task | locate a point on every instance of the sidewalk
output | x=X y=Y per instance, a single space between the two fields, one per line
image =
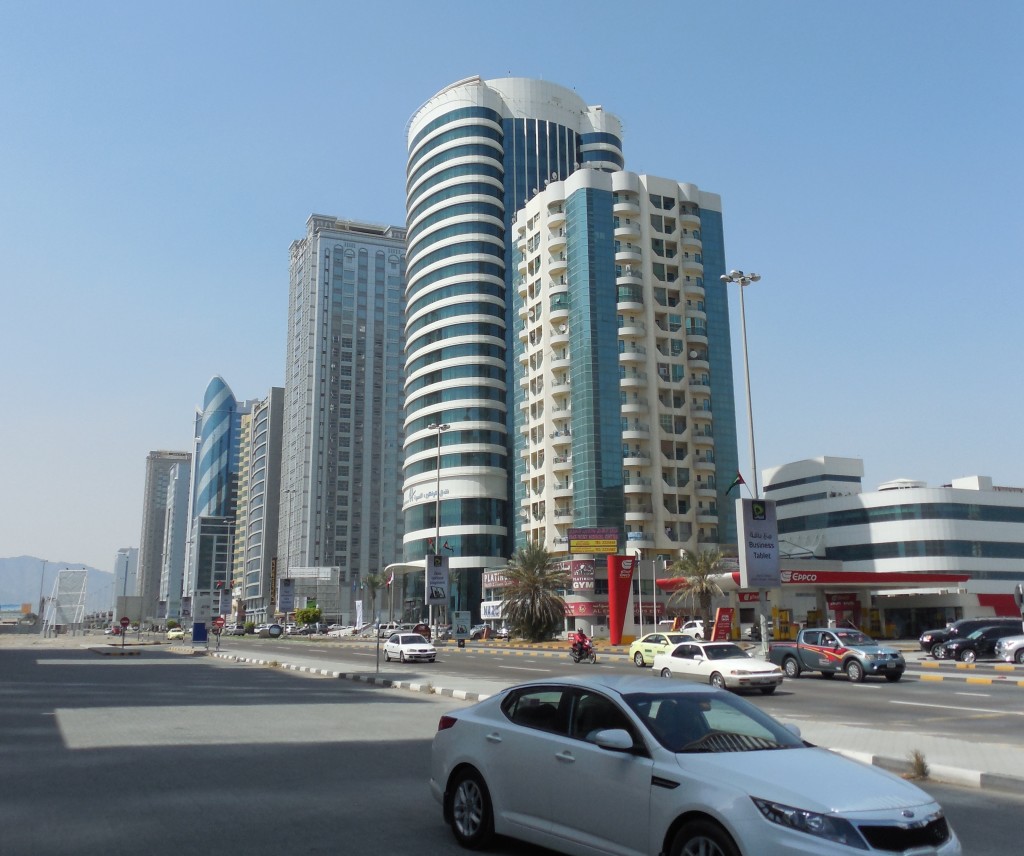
x=962 y=762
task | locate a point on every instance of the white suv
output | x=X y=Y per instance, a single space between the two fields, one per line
x=1011 y=649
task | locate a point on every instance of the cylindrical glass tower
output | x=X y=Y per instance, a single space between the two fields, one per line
x=477 y=151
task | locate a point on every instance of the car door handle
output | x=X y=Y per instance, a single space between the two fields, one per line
x=493 y=737
x=566 y=756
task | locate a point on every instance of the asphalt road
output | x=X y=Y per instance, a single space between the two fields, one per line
x=162 y=755
x=951 y=707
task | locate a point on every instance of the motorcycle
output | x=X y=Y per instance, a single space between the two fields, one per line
x=587 y=654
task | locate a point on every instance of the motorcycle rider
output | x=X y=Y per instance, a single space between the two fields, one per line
x=580 y=642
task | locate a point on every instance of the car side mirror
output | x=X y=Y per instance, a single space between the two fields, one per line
x=614 y=739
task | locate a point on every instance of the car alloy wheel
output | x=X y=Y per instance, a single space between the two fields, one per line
x=666 y=673
x=401 y=656
x=1019 y=659
x=791 y=667
x=717 y=680
x=638 y=660
x=968 y=655
x=387 y=656
x=936 y=651
x=855 y=672
x=702 y=838
x=472 y=818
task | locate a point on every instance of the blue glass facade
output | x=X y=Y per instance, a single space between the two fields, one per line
x=217 y=466
x=594 y=369
x=723 y=399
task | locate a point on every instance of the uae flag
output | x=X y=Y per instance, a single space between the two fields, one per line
x=736 y=481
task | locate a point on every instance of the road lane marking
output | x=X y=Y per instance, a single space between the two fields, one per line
x=524 y=669
x=954 y=707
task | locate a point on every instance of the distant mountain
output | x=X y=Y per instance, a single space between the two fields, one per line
x=20 y=578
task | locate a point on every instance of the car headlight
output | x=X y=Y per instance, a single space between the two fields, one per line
x=812 y=823
x=927 y=637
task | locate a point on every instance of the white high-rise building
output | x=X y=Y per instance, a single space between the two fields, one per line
x=618 y=399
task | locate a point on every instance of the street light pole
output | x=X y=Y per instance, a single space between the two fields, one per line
x=439 y=428
x=743 y=280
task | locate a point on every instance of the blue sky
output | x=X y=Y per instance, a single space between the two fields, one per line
x=157 y=160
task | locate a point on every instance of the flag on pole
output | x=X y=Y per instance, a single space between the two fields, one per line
x=736 y=481
x=447 y=547
x=391 y=579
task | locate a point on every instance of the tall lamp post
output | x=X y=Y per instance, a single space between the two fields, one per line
x=743 y=280
x=440 y=428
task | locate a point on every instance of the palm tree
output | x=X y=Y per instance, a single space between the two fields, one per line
x=373 y=583
x=532 y=605
x=698 y=569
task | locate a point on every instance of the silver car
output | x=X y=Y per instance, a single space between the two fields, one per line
x=641 y=766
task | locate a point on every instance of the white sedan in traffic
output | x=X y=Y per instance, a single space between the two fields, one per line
x=409 y=646
x=721 y=664
x=640 y=766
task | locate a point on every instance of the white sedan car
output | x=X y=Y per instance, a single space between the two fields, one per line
x=639 y=766
x=409 y=646
x=721 y=664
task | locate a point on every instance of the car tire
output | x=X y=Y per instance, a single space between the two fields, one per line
x=791 y=667
x=387 y=656
x=968 y=656
x=666 y=673
x=401 y=656
x=638 y=660
x=767 y=690
x=470 y=812
x=936 y=650
x=702 y=838
x=717 y=680
x=1019 y=658
x=855 y=672
x=893 y=677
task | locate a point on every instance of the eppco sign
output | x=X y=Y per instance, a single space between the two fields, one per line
x=626 y=567
x=799 y=577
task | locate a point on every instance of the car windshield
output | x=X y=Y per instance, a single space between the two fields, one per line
x=412 y=639
x=701 y=722
x=853 y=637
x=723 y=652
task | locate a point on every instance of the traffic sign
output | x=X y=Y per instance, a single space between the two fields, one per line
x=125 y=621
x=218 y=622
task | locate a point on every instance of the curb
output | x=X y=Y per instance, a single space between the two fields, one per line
x=413 y=686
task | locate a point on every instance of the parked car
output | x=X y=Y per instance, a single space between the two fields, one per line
x=722 y=664
x=175 y=633
x=642 y=651
x=237 y=630
x=694 y=628
x=1011 y=649
x=636 y=764
x=409 y=646
x=979 y=644
x=502 y=632
x=386 y=630
x=930 y=640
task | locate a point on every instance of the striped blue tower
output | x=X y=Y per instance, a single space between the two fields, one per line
x=217 y=460
x=476 y=152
